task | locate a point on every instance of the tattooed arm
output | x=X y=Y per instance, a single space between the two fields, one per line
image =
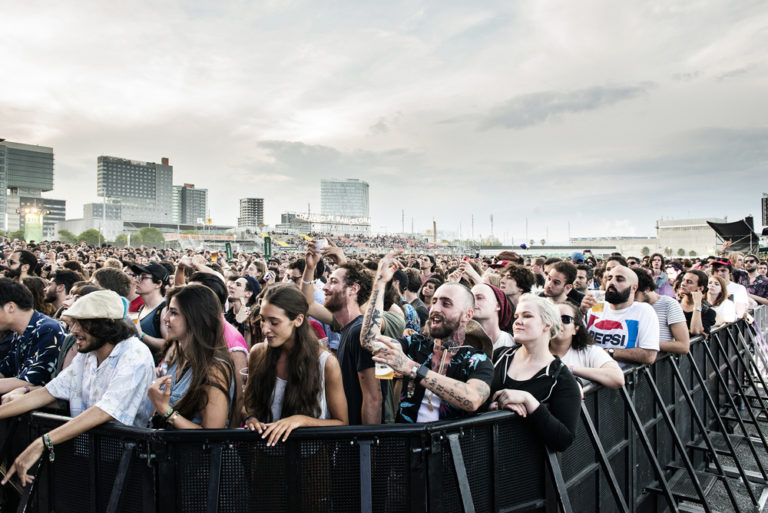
x=373 y=315
x=467 y=396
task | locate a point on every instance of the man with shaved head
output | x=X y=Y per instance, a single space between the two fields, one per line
x=445 y=378
x=628 y=330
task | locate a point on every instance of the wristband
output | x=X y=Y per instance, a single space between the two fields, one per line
x=413 y=371
x=26 y=389
x=48 y=445
x=172 y=418
x=421 y=373
x=306 y=282
x=168 y=413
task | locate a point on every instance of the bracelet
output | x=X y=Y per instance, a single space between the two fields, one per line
x=168 y=413
x=26 y=389
x=306 y=282
x=48 y=445
x=172 y=418
x=421 y=372
x=413 y=371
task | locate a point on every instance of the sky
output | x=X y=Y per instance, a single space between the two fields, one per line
x=571 y=118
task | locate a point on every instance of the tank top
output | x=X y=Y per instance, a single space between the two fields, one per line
x=278 y=394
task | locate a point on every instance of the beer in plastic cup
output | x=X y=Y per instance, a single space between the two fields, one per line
x=384 y=371
x=244 y=377
x=599 y=296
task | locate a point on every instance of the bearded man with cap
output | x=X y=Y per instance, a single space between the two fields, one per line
x=105 y=381
x=151 y=281
x=494 y=312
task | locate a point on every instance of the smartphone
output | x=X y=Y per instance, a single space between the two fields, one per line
x=321 y=244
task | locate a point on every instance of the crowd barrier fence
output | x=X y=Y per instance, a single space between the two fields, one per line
x=656 y=443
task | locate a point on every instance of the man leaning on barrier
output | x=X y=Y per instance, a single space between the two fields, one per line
x=445 y=379
x=105 y=381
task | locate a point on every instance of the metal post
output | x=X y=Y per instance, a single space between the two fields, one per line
x=557 y=477
x=120 y=478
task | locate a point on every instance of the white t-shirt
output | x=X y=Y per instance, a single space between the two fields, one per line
x=504 y=340
x=726 y=311
x=634 y=326
x=739 y=293
x=592 y=356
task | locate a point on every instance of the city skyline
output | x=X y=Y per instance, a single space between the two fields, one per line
x=586 y=120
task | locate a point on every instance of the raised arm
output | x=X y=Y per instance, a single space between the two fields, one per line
x=373 y=314
x=316 y=310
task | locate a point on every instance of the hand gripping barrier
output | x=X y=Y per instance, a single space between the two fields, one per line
x=683 y=430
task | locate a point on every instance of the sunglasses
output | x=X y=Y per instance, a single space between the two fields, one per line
x=567 y=319
x=750 y=261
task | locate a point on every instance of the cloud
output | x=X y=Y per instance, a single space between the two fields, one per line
x=533 y=109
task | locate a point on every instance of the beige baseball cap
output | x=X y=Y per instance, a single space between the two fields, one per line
x=101 y=304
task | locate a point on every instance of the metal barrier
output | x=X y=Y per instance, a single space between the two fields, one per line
x=678 y=428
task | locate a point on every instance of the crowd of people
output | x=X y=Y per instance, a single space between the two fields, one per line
x=170 y=339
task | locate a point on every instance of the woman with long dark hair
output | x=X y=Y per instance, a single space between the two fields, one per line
x=292 y=380
x=198 y=390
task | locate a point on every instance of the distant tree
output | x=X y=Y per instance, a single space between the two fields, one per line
x=136 y=240
x=151 y=236
x=90 y=236
x=67 y=236
x=691 y=253
x=190 y=232
x=532 y=242
x=645 y=251
x=122 y=239
x=543 y=242
x=681 y=252
x=18 y=234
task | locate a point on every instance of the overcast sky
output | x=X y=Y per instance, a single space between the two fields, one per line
x=605 y=115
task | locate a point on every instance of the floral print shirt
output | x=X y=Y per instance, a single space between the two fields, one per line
x=33 y=355
x=468 y=363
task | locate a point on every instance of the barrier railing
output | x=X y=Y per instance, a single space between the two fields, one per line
x=678 y=428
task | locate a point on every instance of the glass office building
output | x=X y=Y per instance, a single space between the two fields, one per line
x=345 y=198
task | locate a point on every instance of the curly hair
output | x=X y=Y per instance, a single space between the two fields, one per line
x=523 y=276
x=357 y=273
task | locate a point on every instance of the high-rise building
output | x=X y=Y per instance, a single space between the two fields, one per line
x=345 y=198
x=144 y=190
x=189 y=204
x=251 y=214
x=26 y=171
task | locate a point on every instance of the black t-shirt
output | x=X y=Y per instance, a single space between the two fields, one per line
x=554 y=387
x=421 y=309
x=353 y=359
x=708 y=317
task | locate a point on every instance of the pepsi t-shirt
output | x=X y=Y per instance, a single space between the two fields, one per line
x=634 y=326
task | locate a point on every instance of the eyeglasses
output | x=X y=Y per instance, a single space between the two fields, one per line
x=567 y=319
x=144 y=277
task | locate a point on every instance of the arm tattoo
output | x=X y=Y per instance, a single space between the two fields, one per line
x=371 y=323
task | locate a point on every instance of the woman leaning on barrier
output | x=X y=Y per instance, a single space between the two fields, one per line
x=717 y=297
x=292 y=380
x=575 y=347
x=530 y=381
x=199 y=387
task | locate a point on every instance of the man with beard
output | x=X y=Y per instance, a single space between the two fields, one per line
x=755 y=283
x=106 y=381
x=36 y=340
x=558 y=286
x=583 y=277
x=444 y=378
x=21 y=264
x=58 y=289
x=348 y=287
x=628 y=330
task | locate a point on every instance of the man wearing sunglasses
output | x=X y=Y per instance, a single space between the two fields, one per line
x=755 y=283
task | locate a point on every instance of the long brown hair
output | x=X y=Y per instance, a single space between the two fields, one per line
x=207 y=356
x=303 y=385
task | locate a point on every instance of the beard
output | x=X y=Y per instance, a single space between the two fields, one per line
x=50 y=296
x=13 y=274
x=446 y=328
x=334 y=302
x=615 y=297
x=93 y=345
